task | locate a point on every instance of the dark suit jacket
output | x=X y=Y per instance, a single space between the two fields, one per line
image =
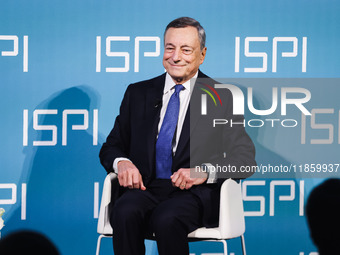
x=135 y=130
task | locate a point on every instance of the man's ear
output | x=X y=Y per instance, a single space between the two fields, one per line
x=203 y=52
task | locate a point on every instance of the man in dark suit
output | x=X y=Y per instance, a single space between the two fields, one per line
x=151 y=148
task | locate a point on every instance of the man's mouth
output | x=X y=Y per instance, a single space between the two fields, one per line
x=174 y=65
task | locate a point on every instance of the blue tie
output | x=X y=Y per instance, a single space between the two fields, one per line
x=166 y=135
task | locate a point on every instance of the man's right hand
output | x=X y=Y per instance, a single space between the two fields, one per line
x=129 y=176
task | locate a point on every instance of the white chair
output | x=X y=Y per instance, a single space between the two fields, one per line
x=231 y=223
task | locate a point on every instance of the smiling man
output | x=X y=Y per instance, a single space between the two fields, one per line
x=183 y=53
x=149 y=148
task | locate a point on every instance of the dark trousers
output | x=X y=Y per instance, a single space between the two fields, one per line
x=163 y=210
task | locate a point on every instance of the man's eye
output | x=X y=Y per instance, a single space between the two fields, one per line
x=169 y=49
x=187 y=51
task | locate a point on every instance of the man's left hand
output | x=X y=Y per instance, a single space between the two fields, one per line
x=182 y=179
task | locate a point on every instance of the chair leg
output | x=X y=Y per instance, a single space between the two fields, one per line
x=98 y=244
x=243 y=245
x=225 y=247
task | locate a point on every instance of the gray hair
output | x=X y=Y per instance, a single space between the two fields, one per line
x=188 y=22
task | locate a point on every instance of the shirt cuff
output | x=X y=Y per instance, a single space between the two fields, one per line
x=211 y=170
x=115 y=163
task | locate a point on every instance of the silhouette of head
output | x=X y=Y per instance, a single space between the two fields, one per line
x=27 y=242
x=323 y=216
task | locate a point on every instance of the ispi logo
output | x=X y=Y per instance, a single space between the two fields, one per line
x=289 y=96
x=204 y=97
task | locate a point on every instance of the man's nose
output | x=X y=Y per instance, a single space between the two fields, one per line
x=176 y=55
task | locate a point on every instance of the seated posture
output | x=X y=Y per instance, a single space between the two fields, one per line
x=151 y=149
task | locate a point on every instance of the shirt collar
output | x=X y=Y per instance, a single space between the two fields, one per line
x=169 y=83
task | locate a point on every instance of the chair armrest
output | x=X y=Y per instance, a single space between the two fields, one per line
x=104 y=226
x=231 y=222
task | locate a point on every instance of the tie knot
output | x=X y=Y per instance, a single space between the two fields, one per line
x=178 y=88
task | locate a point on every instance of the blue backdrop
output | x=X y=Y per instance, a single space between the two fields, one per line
x=64 y=66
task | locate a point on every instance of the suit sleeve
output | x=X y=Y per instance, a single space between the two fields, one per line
x=238 y=148
x=239 y=152
x=220 y=139
x=118 y=141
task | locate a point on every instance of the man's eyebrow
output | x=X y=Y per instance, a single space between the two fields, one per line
x=182 y=46
x=169 y=44
x=186 y=46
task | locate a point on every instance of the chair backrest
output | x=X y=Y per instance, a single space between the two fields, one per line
x=231 y=223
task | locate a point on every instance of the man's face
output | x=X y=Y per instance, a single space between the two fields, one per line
x=182 y=53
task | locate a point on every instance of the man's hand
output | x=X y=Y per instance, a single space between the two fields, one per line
x=182 y=180
x=129 y=176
